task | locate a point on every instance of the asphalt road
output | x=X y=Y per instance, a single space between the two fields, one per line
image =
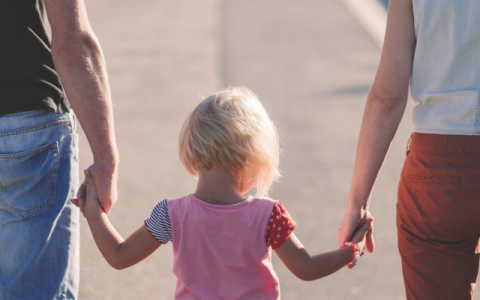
x=311 y=65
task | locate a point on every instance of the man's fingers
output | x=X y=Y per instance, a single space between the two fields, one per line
x=82 y=190
x=88 y=176
x=107 y=206
x=105 y=185
x=81 y=205
x=74 y=201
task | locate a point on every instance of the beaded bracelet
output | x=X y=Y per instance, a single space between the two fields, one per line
x=356 y=252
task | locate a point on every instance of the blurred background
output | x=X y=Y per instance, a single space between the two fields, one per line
x=311 y=64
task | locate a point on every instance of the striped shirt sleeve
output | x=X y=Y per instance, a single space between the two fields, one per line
x=159 y=223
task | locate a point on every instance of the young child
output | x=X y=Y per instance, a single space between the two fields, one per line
x=221 y=239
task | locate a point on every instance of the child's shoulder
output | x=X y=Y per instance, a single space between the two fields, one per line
x=178 y=201
x=262 y=200
x=266 y=199
x=167 y=203
x=266 y=202
x=275 y=205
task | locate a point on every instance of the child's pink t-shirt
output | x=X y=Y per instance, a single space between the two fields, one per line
x=223 y=251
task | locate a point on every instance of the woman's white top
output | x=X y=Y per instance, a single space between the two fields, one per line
x=445 y=83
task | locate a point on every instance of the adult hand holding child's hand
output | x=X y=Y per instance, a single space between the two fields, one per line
x=353 y=222
x=106 y=182
x=92 y=203
x=360 y=236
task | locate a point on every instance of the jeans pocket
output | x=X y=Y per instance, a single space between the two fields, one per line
x=28 y=180
x=437 y=194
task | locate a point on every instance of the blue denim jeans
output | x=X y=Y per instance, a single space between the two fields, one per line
x=39 y=227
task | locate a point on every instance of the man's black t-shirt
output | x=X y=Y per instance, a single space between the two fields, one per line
x=28 y=80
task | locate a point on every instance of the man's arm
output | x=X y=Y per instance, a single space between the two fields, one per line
x=385 y=106
x=79 y=61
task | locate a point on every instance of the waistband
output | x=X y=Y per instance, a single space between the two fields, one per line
x=23 y=120
x=442 y=143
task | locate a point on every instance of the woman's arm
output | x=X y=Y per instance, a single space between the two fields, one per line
x=383 y=112
x=307 y=267
x=119 y=253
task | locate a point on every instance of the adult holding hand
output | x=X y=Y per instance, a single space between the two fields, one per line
x=431 y=46
x=76 y=52
x=39 y=226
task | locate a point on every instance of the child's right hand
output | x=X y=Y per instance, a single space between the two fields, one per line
x=359 y=236
x=92 y=203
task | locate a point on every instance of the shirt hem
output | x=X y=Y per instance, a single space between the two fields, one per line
x=452 y=132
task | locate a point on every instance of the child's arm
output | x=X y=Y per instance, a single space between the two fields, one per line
x=307 y=267
x=118 y=252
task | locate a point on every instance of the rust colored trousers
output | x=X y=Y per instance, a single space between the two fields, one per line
x=438 y=216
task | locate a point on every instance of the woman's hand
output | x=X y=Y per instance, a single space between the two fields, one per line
x=353 y=223
x=360 y=236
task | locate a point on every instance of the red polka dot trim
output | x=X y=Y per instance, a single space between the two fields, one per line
x=280 y=226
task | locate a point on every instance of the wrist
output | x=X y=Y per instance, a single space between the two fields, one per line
x=349 y=254
x=91 y=213
x=354 y=251
x=93 y=210
x=356 y=204
x=107 y=160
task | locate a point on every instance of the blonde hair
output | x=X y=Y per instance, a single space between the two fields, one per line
x=231 y=130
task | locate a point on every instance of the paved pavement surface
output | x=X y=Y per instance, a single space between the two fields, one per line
x=311 y=65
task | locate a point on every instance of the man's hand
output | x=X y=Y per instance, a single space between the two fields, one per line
x=105 y=179
x=354 y=220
